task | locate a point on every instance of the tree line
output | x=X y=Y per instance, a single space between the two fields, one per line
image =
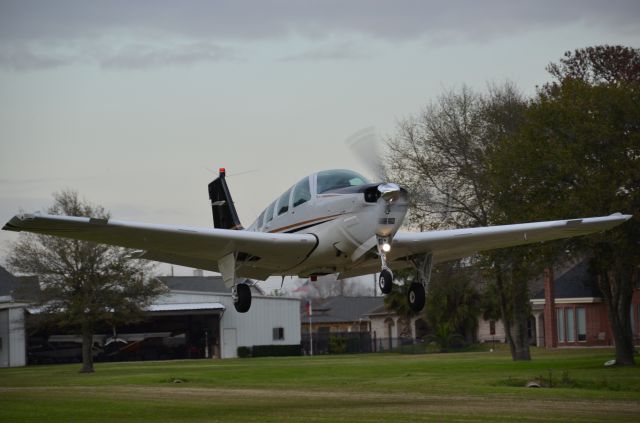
x=496 y=157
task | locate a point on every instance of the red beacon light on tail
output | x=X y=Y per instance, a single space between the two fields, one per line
x=222 y=171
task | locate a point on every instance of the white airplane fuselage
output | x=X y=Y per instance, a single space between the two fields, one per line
x=345 y=224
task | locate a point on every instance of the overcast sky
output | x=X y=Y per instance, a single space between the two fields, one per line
x=136 y=103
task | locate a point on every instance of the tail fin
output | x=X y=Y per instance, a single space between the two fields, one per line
x=224 y=212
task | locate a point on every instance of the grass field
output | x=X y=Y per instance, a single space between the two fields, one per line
x=478 y=386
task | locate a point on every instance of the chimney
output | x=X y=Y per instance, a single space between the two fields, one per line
x=550 y=325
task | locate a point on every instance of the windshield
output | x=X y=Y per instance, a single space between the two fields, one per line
x=334 y=179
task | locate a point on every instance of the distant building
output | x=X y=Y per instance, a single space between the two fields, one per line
x=387 y=331
x=12 y=333
x=195 y=319
x=490 y=331
x=211 y=323
x=338 y=317
x=577 y=315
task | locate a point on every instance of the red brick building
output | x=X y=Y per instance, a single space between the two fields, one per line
x=570 y=311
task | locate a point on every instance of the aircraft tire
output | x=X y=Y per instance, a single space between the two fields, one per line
x=385 y=281
x=416 y=297
x=243 y=303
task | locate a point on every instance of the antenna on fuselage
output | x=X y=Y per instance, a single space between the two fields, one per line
x=222 y=207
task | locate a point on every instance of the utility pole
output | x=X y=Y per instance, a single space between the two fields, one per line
x=309 y=313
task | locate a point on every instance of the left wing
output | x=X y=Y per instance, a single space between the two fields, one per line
x=258 y=254
x=458 y=243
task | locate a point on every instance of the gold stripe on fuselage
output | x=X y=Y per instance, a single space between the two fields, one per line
x=306 y=222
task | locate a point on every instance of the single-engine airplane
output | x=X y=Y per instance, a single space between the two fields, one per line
x=333 y=221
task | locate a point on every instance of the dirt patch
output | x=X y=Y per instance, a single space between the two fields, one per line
x=518 y=407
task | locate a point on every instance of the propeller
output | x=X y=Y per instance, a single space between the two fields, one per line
x=365 y=146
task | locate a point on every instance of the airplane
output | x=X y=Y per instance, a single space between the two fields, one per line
x=332 y=221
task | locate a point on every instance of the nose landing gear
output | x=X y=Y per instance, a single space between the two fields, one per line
x=385 y=281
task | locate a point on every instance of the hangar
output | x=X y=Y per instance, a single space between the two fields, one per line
x=195 y=319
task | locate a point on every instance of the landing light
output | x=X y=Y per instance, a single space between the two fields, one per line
x=386 y=247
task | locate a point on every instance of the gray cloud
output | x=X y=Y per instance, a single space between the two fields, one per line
x=140 y=56
x=26 y=56
x=342 y=51
x=208 y=24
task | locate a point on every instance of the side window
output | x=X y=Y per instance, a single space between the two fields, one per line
x=301 y=192
x=270 y=212
x=260 y=220
x=283 y=202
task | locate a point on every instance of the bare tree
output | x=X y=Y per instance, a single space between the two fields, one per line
x=441 y=157
x=83 y=283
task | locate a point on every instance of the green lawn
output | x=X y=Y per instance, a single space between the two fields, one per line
x=478 y=386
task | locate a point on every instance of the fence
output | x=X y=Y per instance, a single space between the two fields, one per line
x=358 y=343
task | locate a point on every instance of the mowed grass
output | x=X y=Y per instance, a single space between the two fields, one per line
x=478 y=386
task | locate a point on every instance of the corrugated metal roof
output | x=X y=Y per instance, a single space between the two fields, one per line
x=186 y=307
x=342 y=309
x=213 y=284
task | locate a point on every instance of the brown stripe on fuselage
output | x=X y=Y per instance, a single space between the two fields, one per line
x=284 y=228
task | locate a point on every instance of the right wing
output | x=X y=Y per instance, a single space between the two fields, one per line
x=458 y=243
x=259 y=254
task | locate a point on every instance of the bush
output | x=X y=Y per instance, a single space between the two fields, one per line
x=276 y=350
x=244 y=352
x=337 y=345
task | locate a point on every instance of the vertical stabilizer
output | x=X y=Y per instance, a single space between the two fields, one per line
x=222 y=207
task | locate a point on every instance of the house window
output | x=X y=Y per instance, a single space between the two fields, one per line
x=278 y=334
x=571 y=325
x=560 y=323
x=582 y=324
x=492 y=327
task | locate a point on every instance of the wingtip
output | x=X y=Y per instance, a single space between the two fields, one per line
x=624 y=217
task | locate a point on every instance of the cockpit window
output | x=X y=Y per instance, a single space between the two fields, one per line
x=334 y=179
x=283 y=202
x=301 y=192
x=260 y=220
x=270 y=212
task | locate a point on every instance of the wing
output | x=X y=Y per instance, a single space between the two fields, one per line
x=259 y=254
x=457 y=243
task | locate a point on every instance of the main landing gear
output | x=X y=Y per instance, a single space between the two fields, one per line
x=240 y=292
x=241 y=295
x=416 y=295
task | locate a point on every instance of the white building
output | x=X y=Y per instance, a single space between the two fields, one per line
x=195 y=319
x=270 y=321
x=12 y=333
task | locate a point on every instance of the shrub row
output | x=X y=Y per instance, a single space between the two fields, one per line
x=269 y=351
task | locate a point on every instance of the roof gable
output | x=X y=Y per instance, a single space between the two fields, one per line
x=577 y=282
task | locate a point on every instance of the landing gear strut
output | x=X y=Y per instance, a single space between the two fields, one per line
x=386 y=276
x=241 y=295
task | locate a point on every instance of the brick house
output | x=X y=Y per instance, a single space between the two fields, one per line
x=570 y=311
